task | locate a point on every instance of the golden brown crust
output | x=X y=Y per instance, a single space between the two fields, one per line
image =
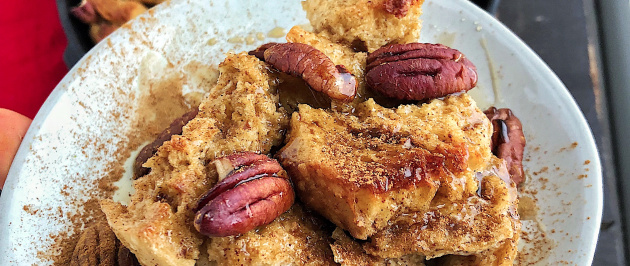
x=348 y=252
x=503 y=255
x=481 y=221
x=360 y=170
x=367 y=22
x=298 y=237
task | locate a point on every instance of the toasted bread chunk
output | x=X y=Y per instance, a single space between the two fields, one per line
x=479 y=222
x=297 y=237
x=360 y=170
x=479 y=225
x=240 y=114
x=366 y=24
x=350 y=253
x=506 y=251
x=503 y=255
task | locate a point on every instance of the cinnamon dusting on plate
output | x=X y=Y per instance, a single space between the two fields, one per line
x=160 y=99
x=535 y=245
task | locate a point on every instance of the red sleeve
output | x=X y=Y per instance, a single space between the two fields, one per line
x=31 y=54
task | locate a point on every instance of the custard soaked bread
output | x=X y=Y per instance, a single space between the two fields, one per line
x=482 y=221
x=363 y=169
x=464 y=230
x=366 y=24
x=297 y=237
x=241 y=114
x=502 y=255
x=416 y=180
x=350 y=253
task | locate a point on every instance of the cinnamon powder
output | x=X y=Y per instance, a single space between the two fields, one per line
x=159 y=101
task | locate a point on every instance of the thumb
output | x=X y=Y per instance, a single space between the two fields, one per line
x=13 y=127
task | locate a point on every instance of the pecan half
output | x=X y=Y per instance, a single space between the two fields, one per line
x=398 y=8
x=508 y=140
x=418 y=71
x=304 y=61
x=98 y=245
x=260 y=51
x=175 y=128
x=85 y=12
x=253 y=190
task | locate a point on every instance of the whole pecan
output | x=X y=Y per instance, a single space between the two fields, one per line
x=319 y=72
x=98 y=245
x=253 y=190
x=508 y=140
x=175 y=128
x=418 y=71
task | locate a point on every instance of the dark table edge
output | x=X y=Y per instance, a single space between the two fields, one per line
x=77 y=33
x=615 y=31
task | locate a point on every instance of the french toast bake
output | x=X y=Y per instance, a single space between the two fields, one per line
x=378 y=179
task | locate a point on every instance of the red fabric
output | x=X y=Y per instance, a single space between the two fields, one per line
x=31 y=54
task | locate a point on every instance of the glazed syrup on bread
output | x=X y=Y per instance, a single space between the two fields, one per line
x=294 y=91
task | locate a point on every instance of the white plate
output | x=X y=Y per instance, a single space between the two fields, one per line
x=74 y=137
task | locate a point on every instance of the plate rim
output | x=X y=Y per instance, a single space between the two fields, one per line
x=557 y=83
